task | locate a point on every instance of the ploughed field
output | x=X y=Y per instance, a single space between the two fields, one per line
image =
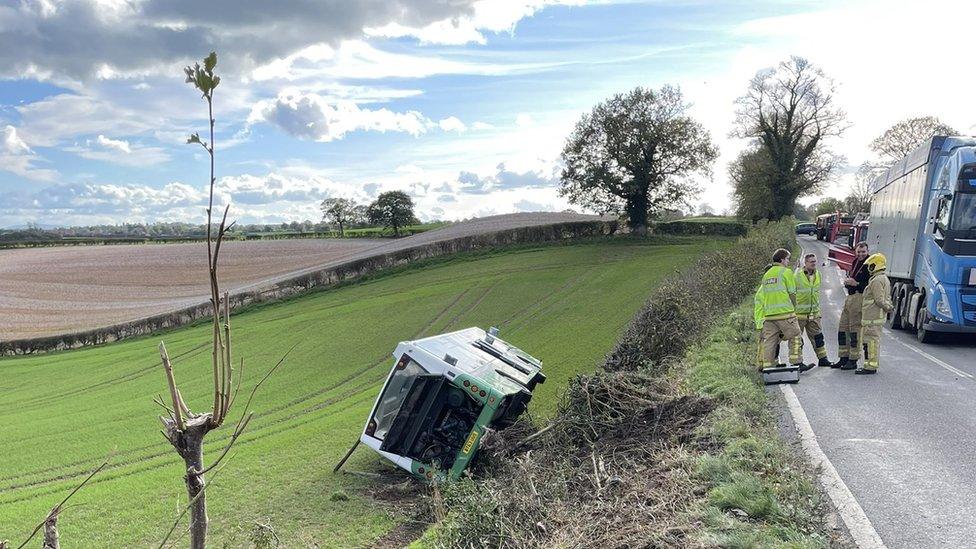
x=62 y=413
x=58 y=290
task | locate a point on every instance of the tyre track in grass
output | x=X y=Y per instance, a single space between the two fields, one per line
x=274 y=410
x=549 y=300
x=143 y=464
x=473 y=306
x=34 y=402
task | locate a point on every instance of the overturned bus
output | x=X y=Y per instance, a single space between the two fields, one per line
x=441 y=396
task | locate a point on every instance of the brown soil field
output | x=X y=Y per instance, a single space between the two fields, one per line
x=50 y=291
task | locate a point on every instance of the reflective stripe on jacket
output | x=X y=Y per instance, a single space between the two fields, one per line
x=807 y=293
x=758 y=313
x=877 y=300
x=777 y=286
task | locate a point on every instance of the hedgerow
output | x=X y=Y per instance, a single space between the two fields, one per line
x=700 y=228
x=682 y=308
x=657 y=449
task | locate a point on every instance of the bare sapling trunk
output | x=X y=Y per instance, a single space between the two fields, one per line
x=52 y=540
x=184 y=429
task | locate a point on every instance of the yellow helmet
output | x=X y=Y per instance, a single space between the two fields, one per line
x=875 y=263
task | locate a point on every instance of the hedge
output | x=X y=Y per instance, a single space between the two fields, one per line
x=715 y=228
x=681 y=309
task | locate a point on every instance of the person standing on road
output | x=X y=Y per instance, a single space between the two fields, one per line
x=848 y=350
x=874 y=307
x=808 y=306
x=779 y=312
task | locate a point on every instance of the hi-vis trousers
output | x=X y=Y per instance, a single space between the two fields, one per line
x=848 y=327
x=811 y=325
x=871 y=336
x=775 y=330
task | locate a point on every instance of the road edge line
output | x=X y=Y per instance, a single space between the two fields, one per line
x=857 y=522
x=935 y=360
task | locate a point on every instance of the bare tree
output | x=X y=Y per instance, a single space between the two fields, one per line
x=791 y=112
x=184 y=429
x=903 y=137
x=338 y=211
x=52 y=539
x=859 y=199
x=636 y=152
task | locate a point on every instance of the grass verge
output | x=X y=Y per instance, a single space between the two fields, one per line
x=671 y=444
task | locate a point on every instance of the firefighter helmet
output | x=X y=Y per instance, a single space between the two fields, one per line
x=875 y=263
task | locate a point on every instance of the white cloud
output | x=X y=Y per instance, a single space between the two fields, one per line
x=12 y=143
x=314 y=117
x=488 y=15
x=114 y=144
x=452 y=124
x=119 y=151
x=134 y=38
x=523 y=120
x=357 y=59
x=16 y=157
x=310 y=116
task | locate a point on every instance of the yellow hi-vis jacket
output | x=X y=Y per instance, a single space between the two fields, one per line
x=807 y=294
x=877 y=299
x=758 y=313
x=778 y=285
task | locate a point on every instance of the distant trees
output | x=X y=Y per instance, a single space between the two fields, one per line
x=829 y=205
x=859 y=199
x=392 y=209
x=338 y=211
x=789 y=112
x=636 y=152
x=903 y=137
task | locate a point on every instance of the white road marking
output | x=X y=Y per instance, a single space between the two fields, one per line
x=847 y=506
x=935 y=360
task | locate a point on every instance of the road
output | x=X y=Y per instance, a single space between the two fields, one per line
x=902 y=440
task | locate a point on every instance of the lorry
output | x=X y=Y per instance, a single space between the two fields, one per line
x=923 y=219
x=443 y=394
x=843 y=253
x=831 y=226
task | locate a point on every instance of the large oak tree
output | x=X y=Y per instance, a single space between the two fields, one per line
x=636 y=152
x=789 y=112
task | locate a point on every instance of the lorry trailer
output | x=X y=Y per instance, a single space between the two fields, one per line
x=923 y=218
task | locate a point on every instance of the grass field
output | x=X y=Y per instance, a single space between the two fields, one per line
x=61 y=414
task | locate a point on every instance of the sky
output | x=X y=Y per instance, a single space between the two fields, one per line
x=463 y=104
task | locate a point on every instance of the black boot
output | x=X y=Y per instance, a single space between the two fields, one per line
x=840 y=362
x=851 y=364
x=824 y=363
x=804 y=367
x=865 y=371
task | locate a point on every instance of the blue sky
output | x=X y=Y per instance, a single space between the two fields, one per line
x=463 y=104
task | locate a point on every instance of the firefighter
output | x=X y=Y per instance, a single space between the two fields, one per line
x=874 y=307
x=779 y=312
x=808 y=306
x=848 y=349
x=758 y=316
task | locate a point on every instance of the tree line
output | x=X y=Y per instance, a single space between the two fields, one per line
x=641 y=155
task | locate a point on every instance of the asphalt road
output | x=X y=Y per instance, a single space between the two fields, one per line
x=904 y=440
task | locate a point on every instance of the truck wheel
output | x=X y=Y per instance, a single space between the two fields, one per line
x=923 y=335
x=893 y=320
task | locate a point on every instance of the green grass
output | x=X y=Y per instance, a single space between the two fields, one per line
x=62 y=413
x=758 y=493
